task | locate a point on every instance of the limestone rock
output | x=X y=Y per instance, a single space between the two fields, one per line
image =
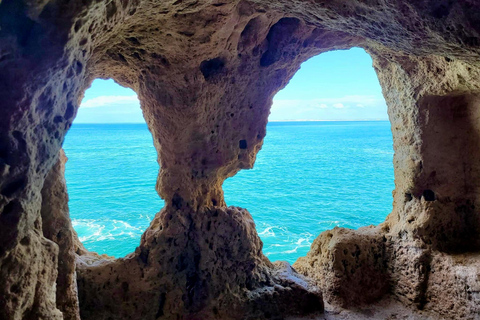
x=349 y=266
x=205 y=72
x=454 y=285
x=202 y=265
x=56 y=226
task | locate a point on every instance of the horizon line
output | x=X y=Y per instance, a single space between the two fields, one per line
x=300 y=120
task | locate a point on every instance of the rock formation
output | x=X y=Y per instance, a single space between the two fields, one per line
x=205 y=73
x=57 y=227
x=426 y=251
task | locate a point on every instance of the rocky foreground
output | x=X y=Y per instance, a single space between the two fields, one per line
x=205 y=73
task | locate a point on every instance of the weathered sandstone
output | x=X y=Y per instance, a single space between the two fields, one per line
x=178 y=266
x=57 y=227
x=205 y=73
x=348 y=265
x=433 y=110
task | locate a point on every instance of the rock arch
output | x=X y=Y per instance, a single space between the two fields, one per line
x=205 y=73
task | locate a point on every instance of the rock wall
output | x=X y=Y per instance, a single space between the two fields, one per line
x=430 y=240
x=57 y=227
x=206 y=72
x=200 y=265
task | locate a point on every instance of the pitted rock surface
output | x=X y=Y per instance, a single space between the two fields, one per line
x=182 y=257
x=205 y=72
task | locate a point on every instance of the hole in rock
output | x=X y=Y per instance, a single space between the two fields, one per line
x=327 y=158
x=111 y=170
x=428 y=195
x=242 y=144
x=210 y=68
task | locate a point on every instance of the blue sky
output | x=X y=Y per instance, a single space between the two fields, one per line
x=337 y=85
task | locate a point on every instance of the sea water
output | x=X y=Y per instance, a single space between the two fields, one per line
x=309 y=177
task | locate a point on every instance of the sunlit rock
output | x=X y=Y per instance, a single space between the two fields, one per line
x=205 y=73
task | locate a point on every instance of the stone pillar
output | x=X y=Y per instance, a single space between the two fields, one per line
x=198 y=258
x=57 y=227
x=435 y=129
x=206 y=72
x=433 y=110
x=39 y=87
x=433 y=107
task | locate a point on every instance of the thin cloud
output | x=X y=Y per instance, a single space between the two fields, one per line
x=354 y=100
x=110 y=101
x=352 y=107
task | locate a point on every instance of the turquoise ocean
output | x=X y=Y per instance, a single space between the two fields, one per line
x=309 y=177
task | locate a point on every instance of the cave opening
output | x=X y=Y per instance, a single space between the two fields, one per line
x=111 y=170
x=327 y=158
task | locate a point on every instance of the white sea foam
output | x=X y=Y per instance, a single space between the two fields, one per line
x=290 y=251
x=300 y=241
x=268 y=232
x=101 y=230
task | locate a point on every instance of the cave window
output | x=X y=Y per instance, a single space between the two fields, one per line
x=112 y=197
x=336 y=172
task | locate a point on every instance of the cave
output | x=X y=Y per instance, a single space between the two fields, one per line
x=205 y=73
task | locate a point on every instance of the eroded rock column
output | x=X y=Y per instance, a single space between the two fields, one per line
x=57 y=227
x=205 y=72
x=199 y=259
x=435 y=216
x=38 y=91
x=430 y=240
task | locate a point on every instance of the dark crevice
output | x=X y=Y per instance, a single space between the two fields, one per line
x=242 y=144
x=210 y=68
x=111 y=9
x=12 y=207
x=78 y=67
x=442 y=10
x=177 y=201
x=278 y=37
x=14 y=187
x=161 y=304
x=429 y=195
x=424 y=264
x=133 y=41
x=70 y=111
x=143 y=256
